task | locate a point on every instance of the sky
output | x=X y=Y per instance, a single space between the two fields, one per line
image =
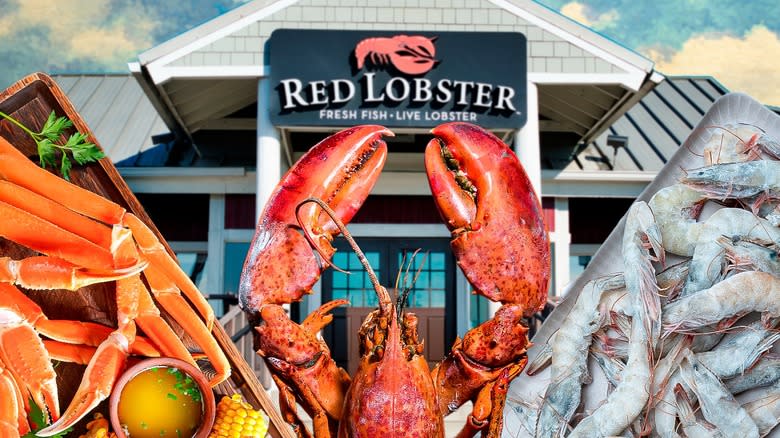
x=735 y=41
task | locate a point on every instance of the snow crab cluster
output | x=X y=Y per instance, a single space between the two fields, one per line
x=61 y=236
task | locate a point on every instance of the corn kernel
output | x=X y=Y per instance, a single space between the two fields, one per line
x=237 y=418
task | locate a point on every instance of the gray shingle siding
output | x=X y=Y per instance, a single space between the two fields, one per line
x=546 y=50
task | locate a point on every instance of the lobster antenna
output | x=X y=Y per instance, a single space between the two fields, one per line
x=310 y=239
x=382 y=294
x=400 y=273
x=408 y=289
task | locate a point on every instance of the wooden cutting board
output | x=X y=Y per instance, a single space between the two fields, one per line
x=30 y=101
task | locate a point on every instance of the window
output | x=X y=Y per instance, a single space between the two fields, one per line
x=355 y=286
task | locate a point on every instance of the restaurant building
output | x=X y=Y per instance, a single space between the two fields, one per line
x=206 y=124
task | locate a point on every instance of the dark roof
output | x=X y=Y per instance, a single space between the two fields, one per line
x=133 y=134
x=655 y=127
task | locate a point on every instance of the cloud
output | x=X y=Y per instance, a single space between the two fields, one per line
x=99 y=33
x=583 y=14
x=747 y=64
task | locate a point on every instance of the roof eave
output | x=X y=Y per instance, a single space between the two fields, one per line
x=577 y=31
x=622 y=106
x=157 y=97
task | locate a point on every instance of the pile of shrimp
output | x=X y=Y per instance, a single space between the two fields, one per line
x=691 y=323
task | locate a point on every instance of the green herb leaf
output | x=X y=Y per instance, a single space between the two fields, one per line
x=54 y=126
x=39 y=420
x=49 y=144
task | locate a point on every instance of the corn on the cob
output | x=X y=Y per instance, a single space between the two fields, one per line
x=98 y=428
x=236 y=418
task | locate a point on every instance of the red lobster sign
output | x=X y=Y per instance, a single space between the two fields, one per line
x=413 y=55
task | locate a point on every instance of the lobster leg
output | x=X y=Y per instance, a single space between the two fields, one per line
x=322 y=427
x=500 y=241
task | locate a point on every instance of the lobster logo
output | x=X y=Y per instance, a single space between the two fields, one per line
x=413 y=55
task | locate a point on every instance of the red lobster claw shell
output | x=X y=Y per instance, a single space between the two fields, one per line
x=499 y=236
x=341 y=170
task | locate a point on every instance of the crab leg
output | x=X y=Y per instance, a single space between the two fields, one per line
x=17 y=169
x=500 y=241
x=99 y=377
x=153 y=251
x=168 y=295
x=66 y=332
x=41 y=272
x=29 y=365
x=80 y=354
x=159 y=332
x=13 y=419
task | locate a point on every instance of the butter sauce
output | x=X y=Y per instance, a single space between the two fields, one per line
x=160 y=402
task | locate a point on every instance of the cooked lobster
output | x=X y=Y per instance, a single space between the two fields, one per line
x=500 y=242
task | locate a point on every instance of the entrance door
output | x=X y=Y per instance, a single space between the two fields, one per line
x=432 y=295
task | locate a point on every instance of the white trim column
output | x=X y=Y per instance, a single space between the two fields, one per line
x=527 y=140
x=215 y=262
x=562 y=240
x=269 y=147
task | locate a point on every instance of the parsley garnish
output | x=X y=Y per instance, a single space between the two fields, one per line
x=40 y=420
x=49 y=141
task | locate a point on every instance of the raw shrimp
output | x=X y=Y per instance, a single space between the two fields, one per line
x=692 y=427
x=764 y=373
x=732 y=144
x=746 y=255
x=630 y=397
x=769 y=145
x=737 y=352
x=676 y=209
x=640 y=235
x=742 y=293
x=665 y=379
x=749 y=179
x=616 y=346
x=765 y=409
x=708 y=261
x=569 y=357
x=770 y=211
x=614 y=302
x=527 y=415
x=717 y=404
x=611 y=367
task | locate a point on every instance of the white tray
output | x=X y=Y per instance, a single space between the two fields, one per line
x=731 y=109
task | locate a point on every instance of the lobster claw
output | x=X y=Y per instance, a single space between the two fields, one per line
x=341 y=170
x=487 y=201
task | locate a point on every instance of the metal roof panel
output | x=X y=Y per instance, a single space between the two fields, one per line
x=116 y=110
